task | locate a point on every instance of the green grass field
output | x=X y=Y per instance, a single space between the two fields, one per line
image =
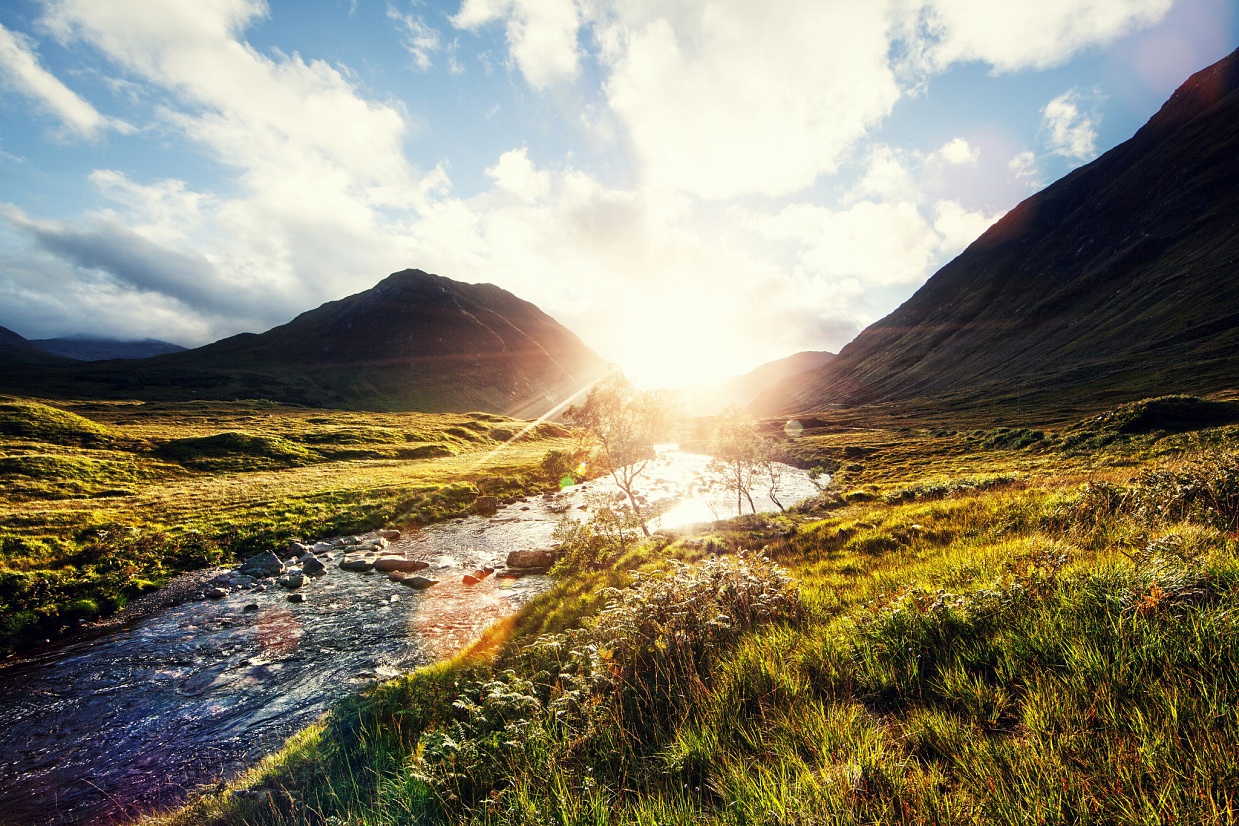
x=971 y=627
x=104 y=501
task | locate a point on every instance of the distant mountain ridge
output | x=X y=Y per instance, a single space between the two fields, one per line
x=1115 y=282
x=17 y=350
x=416 y=341
x=84 y=348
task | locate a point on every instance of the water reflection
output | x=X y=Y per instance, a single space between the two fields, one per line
x=106 y=729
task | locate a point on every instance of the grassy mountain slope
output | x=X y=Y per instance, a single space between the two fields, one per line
x=414 y=342
x=1113 y=283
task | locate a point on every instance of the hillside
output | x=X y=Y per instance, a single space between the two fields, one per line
x=741 y=391
x=1116 y=282
x=17 y=352
x=83 y=348
x=415 y=341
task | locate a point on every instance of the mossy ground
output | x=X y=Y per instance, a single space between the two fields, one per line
x=102 y=501
x=981 y=633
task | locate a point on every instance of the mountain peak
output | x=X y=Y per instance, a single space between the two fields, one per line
x=1114 y=282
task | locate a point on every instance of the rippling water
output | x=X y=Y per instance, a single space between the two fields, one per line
x=108 y=728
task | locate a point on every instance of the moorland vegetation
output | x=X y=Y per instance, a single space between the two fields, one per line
x=965 y=627
x=101 y=502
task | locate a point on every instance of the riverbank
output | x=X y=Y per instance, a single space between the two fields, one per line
x=976 y=628
x=103 y=503
x=214 y=673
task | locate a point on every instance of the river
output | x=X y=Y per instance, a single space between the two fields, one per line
x=106 y=729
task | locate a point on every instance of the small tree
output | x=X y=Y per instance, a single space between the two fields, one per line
x=592 y=545
x=743 y=456
x=625 y=423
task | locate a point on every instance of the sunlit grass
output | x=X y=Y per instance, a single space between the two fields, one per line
x=981 y=634
x=104 y=501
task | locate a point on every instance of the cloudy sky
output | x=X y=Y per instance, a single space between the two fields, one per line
x=693 y=187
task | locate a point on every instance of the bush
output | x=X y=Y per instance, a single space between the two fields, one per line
x=593 y=702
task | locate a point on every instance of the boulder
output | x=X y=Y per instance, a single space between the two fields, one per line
x=418 y=582
x=261 y=565
x=215 y=592
x=312 y=565
x=250 y=606
x=396 y=576
x=531 y=560
x=298 y=597
x=360 y=564
x=391 y=534
x=298 y=548
x=292 y=580
x=470 y=579
x=486 y=505
x=399 y=563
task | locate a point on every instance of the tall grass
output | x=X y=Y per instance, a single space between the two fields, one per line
x=1059 y=646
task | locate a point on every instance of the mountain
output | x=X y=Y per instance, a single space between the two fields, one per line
x=1116 y=282
x=83 y=348
x=415 y=341
x=742 y=391
x=16 y=351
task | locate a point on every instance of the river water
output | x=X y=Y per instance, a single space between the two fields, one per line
x=106 y=729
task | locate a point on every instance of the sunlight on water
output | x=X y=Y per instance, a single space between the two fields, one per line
x=680 y=488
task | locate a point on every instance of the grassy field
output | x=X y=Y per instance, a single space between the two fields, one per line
x=970 y=627
x=104 y=501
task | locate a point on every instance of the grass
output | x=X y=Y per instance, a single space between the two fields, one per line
x=959 y=632
x=104 y=501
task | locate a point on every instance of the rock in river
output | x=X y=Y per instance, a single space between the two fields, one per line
x=418 y=582
x=531 y=560
x=292 y=580
x=312 y=565
x=360 y=564
x=260 y=565
x=399 y=563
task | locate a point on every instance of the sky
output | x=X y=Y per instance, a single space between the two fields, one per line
x=692 y=187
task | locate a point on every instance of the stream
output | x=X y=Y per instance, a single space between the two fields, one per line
x=106 y=729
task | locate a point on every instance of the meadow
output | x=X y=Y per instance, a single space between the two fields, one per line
x=104 y=501
x=1003 y=625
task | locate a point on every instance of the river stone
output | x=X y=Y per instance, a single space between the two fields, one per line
x=418 y=582
x=215 y=592
x=396 y=576
x=486 y=505
x=360 y=564
x=539 y=560
x=250 y=606
x=312 y=565
x=298 y=597
x=399 y=563
x=298 y=548
x=260 y=565
x=391 y=535
x=292 y=580
x=470 y=579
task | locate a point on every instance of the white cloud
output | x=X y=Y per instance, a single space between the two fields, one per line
x=21 y=72
x=1023 y=166
x=419 y=39
x=958 y=227
x=957 y=152
x=1017 y=34
x=516 y=174
x=319 y=165
x=542 y=35
x=1070 y=132
x=729 y=99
